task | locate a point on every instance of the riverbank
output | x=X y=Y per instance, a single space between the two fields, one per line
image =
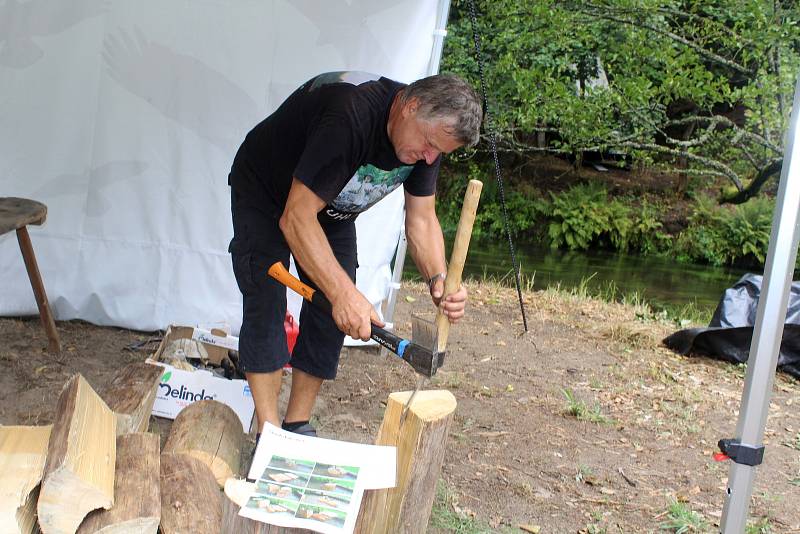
x=638 y=211
x=583 y=424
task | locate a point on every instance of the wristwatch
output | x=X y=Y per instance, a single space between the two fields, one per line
x=434 y=278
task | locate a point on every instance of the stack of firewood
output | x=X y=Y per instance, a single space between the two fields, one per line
x=96 y=469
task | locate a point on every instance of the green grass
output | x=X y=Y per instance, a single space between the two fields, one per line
x=584 y=473
x=681 y=519
x=446 y=519
x=761 y=526
x=579 y=409
x=594 y=528
x=795 y=443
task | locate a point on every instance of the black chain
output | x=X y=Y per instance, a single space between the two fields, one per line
x=493 y=143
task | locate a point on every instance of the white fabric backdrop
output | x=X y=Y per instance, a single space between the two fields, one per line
x=124 y=117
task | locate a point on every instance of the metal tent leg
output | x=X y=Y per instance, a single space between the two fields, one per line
x=770 y=317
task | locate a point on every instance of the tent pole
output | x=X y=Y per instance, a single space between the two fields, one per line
x=770 y=318
x=439 y=33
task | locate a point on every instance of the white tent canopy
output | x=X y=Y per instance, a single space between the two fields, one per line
x=124 y=117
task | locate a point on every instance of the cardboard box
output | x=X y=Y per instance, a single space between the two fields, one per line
x=179 y=388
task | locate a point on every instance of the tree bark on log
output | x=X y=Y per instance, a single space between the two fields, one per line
x=211 y=432
x=79 y=471
x=131 y=395
x=420 y=444
x=23 y=451
x=190 y=497
x=137 y=490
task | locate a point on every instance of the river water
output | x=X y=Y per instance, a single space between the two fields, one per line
x=660 y=281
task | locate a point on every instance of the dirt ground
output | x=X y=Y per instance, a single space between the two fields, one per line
x=647 y=420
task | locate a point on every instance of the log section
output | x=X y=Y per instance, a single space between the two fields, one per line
x=191 y=502
x=79 y=471
x=131 y=395
x=23 y=450
x=420 y=444
x=211 y=432
x=137 y=490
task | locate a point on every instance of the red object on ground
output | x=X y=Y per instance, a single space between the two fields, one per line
x=721 y=457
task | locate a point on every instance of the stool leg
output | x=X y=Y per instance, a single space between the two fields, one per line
x=38 y=289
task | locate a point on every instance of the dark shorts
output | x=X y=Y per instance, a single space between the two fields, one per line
x=258 y=243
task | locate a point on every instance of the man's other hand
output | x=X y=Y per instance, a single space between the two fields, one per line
x=452 y=306
x=354 y=315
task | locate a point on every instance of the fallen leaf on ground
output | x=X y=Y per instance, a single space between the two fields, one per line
x=533 y=529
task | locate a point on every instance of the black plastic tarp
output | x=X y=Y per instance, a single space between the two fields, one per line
x=730 y=331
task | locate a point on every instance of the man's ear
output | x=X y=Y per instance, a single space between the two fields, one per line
x=410 y=107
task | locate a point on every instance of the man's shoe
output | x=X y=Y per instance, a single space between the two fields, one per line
x=306 y=430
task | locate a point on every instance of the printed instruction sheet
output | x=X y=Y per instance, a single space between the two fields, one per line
x=314 y=483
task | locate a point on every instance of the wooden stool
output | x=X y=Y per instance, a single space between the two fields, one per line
x=17 y=214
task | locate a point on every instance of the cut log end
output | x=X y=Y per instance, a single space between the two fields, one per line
x=65 y=500
x=211 y=432
x=23 y=450
x=429 y=405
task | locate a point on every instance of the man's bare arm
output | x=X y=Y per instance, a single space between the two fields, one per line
x=426 y=245
x=352 y=312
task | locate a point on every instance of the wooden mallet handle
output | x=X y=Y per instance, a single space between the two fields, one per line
x=458 y=256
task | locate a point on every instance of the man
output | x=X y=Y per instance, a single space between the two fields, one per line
x=336 y=146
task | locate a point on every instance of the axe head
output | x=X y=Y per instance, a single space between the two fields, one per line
x=426 y=359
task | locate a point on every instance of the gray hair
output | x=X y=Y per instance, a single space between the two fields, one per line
x=448 y=98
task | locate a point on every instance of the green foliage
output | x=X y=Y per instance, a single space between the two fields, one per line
x=681 y=519
x=445 y=518
x=585 y=216
x=581 y=411
x=762 y=526
x=723 y=235
x=644 y=77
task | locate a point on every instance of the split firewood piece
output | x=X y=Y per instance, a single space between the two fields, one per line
x=211 y=432
x=236 y=493
x=137 y=490
x=190 y=498
x=420 y=443
x=79 y=472
x=131 y=395
x=23 y=450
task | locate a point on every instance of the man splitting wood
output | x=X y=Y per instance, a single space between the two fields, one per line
x=335 y=147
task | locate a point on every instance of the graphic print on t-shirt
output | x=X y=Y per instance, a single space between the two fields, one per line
x=367 y=186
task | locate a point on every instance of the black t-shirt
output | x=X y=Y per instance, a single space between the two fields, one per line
x=331 y=135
